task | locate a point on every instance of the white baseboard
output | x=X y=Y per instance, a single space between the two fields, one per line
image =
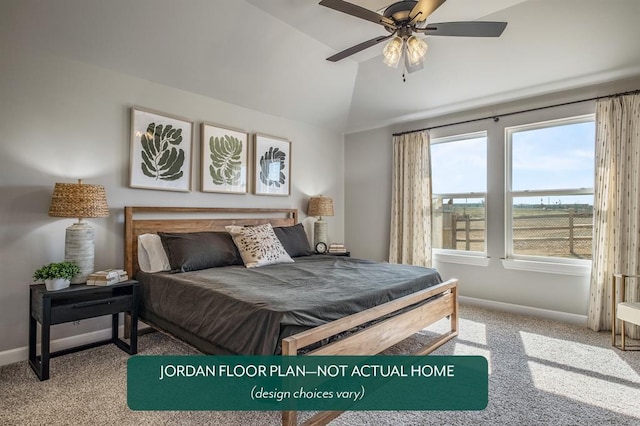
x=525 y=310
x=22 y=354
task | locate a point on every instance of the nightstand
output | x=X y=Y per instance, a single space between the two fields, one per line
x=74 y=303
x=345 y=254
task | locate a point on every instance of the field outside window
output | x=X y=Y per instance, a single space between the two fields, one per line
x=458 y=223
x=550 y=199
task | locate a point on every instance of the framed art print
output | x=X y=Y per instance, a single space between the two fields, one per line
x=224 y=159
x=272 y=165
x=160 y=151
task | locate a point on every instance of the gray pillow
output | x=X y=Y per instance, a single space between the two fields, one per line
x=192 y=251
x=294 y=240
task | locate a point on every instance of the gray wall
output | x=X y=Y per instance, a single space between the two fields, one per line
x=61 y=120
x=368 y=160
x=368 y=193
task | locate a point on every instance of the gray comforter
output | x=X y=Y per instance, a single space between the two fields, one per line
x=244 y=311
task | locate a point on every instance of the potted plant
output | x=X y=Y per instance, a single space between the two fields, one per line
x=58 y=275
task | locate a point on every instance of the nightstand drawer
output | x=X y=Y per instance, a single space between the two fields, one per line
x=90 y=308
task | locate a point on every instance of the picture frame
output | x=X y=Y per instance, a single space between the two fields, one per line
x=271 y=165
x=224 y=159
x=161 y=151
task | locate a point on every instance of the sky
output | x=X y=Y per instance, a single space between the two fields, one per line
x=559 y=157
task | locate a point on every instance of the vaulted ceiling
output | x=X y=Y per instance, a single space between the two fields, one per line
x=269 y=55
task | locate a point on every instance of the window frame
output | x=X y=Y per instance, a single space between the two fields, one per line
x=536 y=262
x=478 y=258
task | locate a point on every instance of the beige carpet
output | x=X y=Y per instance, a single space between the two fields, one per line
x=541 y=373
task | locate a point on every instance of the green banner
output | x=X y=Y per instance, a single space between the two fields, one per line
x=323 y=383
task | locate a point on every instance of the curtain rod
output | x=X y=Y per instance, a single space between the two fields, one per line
x=497 y=117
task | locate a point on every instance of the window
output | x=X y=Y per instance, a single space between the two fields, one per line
x=550 y=179
x=459 y=179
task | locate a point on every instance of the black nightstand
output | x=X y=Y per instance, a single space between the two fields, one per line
x=75 y=303
x=345 y=254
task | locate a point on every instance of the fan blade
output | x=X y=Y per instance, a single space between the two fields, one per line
x=465 y=29
x=358 y=47
x=423 y=9
x=358 y=12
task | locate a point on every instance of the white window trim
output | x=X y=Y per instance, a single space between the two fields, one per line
x=557 y=265
x=549 y=265
x=459 y=137
x=472 y=258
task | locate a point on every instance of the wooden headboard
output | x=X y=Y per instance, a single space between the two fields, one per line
x=150 y=220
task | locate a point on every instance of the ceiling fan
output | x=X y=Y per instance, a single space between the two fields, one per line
x=403 y=19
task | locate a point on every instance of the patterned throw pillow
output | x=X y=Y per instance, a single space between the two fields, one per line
x=258 y=245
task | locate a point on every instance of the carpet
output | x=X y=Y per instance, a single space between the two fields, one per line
x=540 y=373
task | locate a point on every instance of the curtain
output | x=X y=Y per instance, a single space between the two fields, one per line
x=410 y=237
x=616 y=206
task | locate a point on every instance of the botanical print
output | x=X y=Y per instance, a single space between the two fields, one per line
x=160 y=151
x=272 y=165
x=224 y=160
x=162 y=157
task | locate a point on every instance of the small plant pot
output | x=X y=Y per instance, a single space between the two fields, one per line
x=56 y=284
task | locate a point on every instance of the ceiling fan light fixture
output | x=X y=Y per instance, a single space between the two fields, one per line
x=416 y=49
x=392 y=52
x=402 y=19
x=412 y=67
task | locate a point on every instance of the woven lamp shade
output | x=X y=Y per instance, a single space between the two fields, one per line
x=78 y=200
x=320 y=206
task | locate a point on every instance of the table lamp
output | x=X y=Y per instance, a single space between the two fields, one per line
x=320 y=206
x=80 y=201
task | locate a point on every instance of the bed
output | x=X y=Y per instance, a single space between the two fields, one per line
x=234 y=310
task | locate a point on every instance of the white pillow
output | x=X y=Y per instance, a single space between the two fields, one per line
x=258 y=245
x=151 y=254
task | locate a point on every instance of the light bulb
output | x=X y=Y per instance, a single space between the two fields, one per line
x=392 y=52
x=416 y=49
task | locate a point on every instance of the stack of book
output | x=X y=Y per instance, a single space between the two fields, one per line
x=107 y=277
x=337 y=248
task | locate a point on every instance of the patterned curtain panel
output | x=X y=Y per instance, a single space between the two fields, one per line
x=616 y=206
x=410 y=239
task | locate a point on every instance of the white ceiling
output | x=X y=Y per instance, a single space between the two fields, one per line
x=269 y=55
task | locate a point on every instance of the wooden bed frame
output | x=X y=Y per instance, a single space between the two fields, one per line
x=368 y=341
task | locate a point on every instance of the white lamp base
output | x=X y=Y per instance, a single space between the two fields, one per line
x=320 y=232
x=79 y=248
